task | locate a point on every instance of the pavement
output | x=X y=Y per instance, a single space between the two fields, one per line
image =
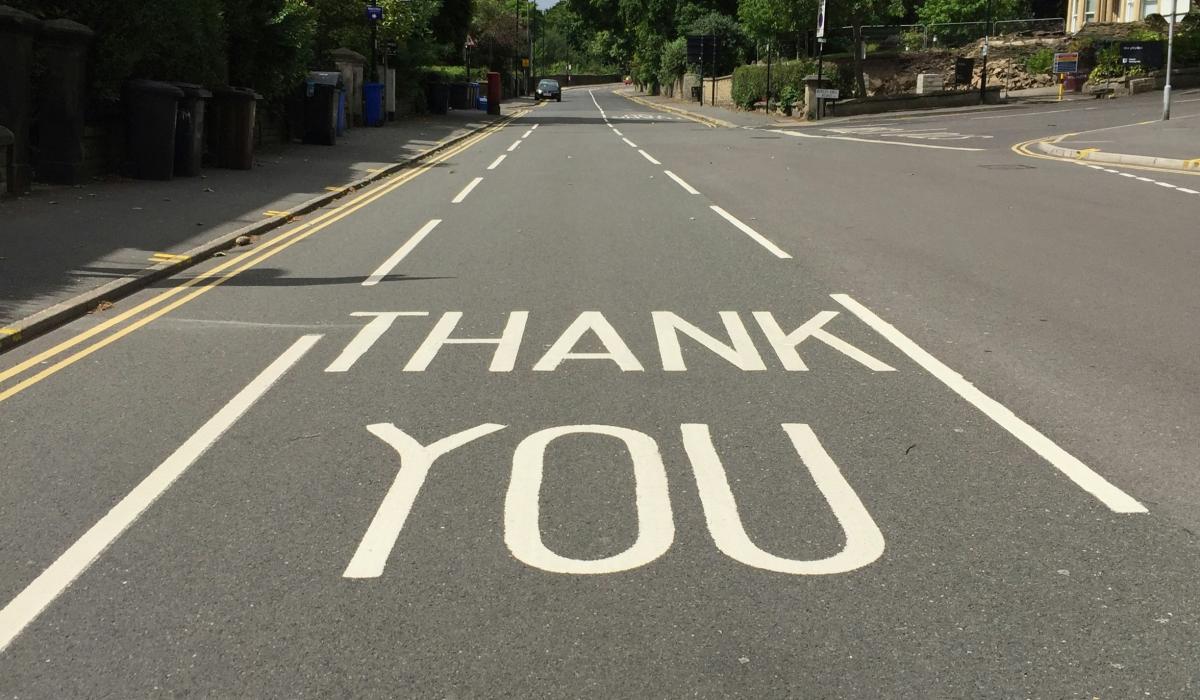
x=62 y=242
x=599 y=403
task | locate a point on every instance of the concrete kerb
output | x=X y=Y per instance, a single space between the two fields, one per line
x=1097 y=156
x=706 y=120
x=47 y=319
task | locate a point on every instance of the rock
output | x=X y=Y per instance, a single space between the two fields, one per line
x=242 y=240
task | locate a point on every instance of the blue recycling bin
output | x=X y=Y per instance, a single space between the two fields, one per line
x=341 y=113
x=373 y=113
x=481 y=103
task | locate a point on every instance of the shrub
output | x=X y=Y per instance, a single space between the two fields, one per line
x=1040 y=62
x=750 y=82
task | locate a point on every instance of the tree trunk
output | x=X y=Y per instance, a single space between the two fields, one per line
x=857 y=60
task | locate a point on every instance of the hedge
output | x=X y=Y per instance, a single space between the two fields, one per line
x=750 y=82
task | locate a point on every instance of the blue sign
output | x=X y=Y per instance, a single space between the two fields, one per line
x=374 y=13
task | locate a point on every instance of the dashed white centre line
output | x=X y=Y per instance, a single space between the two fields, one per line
x=618 y=133
x=466 y=191
x=496 y=163
x=535 y=126
x=43 y=590
x=400 y=254
x=1184 y=189
x=758 y=237
x=593 y=94
x=679 y=181
x=1165 y=184
x=648 y=157
x=514 y=146
x=1078 y=472
x=526 y=134
x=631 y=143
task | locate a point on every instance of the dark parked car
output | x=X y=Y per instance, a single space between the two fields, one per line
x=548 y=89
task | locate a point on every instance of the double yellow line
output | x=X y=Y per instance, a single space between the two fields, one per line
x=220 y=274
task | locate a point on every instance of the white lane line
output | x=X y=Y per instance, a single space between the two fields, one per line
x=496 y=163
x=1184 y=189
x=51 y=583
x=1142 y=179
x=1128 y=175
x=514 y=146
x=758 y=237
x=526 y=134
x=466 y=191
x=631 y=143
x=593 y=94
x=534 y=127
x=1078 y=472
x=618 y=133
x=648 y=157
x=1165 y=184
x=889 y=143
x=679 y=181
x=1033 y=114
x=399 y=255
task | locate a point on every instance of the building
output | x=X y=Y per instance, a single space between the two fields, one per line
x=1080 y=12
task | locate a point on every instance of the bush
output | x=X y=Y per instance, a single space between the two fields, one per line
x=750 y=82
x=1040 y=62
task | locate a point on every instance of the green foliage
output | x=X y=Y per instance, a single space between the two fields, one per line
x=733 y=44
x=940 y=11
x=788 y=97
x=1108 y=64
x=766 y=19
x=750 y=82
x=1040 y=62
x=673 y=62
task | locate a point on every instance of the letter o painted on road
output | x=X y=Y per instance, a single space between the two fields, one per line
x=522 y=533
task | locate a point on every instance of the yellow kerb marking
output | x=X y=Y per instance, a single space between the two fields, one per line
x=276 y=212
x=1085 y=152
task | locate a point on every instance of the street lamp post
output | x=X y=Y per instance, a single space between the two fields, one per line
x=1166 y=113
x=983 y=76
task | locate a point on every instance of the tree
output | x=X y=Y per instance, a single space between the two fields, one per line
x=944 y=11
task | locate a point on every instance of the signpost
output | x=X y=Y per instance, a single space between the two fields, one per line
x=374 y=16
x=1064 y=63
x=820 y=53
x=701 y=48
x=827 y=93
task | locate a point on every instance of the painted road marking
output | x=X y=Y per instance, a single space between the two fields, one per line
x=1139 y=178
x=888 y=143
x=51 y=583
x=535 y=126
x=933 y=134
x=864 y=543
x=631 y=143
x=458 y=198
x=399 y=255
x=618 y=133
x=210 y=279
x=1117 y=500
x=593 y=94
x=514 y=146
x=167 y=257
x=526 y=134
x=1034 y=114
x=679 y=181
x=496 y=163
x=1188 y=191
x=758 y=237
x=648 y=157
x=363 y=340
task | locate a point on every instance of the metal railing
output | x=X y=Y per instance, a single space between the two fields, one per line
x=916 y=37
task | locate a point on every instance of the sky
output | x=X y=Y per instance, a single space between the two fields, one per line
x=543 y=4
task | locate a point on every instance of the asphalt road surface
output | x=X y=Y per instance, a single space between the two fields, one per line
x=611 y=404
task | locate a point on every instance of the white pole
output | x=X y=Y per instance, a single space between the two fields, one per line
x=1166 y=114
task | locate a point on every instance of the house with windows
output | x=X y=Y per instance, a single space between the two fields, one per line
x=1080 y=12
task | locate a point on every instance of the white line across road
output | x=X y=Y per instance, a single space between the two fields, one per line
x=679 y=181
x=496 y=163
x=862 y=140
x=400 y=254
x=43 y=590
x=648 y=157
x=1078 y=472
x=631 y=143
x=758 y=237
x=458 y=198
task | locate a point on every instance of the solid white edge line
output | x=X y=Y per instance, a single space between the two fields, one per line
x=631 y=143
x=889 y=143
x=466 y=191
x=50 y=584
x=513 y=147
x=1117 y=500
x=648 y=157
x=383 y=270
x=496 y=163
x=679 y=181
x=762 y=240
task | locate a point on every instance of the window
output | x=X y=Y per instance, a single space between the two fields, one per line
x=1149 y=7
x=1089 y=11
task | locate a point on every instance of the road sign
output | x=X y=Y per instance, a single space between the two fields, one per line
x=1066 y=62
x=470 y=43
x=374 y=13
x=827 y=93
x=1142 y=53
x=821 y=21
x=524 y=62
